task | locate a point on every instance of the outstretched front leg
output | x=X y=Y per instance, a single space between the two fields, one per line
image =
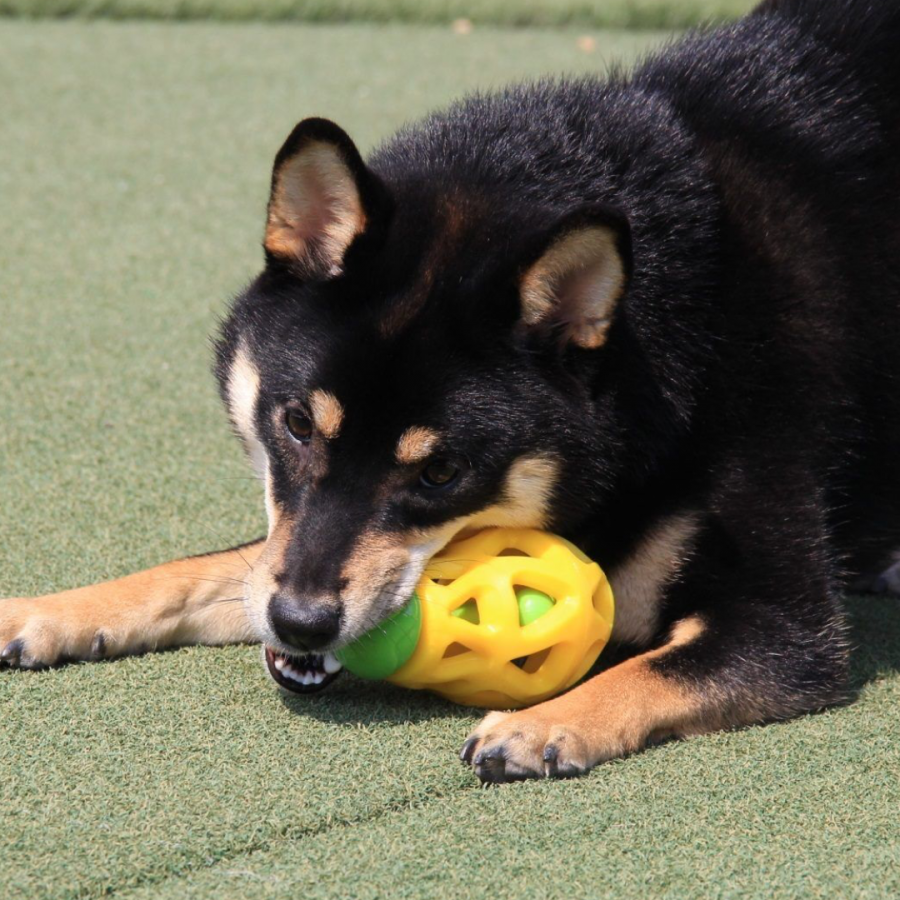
x=198 y=600
x=746 y=649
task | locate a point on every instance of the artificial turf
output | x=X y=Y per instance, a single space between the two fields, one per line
x=133 y=187
x=534 y=13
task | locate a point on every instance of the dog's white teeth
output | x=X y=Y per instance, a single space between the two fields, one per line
x=291 y=673
x=307 y=678
x=318 y=677
x=279 y=663
x=330 y=664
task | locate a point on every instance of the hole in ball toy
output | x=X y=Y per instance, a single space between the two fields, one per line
x=455 y=649
x=533 y=662
x=468 y=611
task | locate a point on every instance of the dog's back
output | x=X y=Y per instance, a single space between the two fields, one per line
x=797 y=112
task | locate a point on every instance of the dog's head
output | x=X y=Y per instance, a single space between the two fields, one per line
x=418 y=358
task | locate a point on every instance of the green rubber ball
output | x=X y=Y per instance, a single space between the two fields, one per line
x=383 y=650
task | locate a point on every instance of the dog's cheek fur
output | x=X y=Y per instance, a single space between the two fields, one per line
x=241 y=393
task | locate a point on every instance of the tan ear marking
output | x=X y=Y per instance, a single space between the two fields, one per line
x=327 y=413
x=415 y=445
x=315 y=210
x=576 y=282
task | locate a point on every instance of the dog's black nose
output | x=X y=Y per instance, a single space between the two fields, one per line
x=306 y=626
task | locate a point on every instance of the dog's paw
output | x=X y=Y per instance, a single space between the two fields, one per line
x=526 y=744
x=36 y=633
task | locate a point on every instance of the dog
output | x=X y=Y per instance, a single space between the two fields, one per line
x=657 y=315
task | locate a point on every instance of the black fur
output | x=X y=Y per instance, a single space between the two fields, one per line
x=750 y=374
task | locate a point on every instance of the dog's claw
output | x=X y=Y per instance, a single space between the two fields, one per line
x=12 y=652
x=490 y=765
x=468 y=750
x=556 y=768
x=551 y=760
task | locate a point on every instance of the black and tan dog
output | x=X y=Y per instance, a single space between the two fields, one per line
x=659 y=316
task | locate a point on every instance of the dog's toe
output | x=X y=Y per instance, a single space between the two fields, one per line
x=490 y=765
x=515 y=746
x=29 y=640
x=12 y=652
x=563 y=756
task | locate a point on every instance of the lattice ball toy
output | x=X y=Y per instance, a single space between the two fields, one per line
x=503 y=619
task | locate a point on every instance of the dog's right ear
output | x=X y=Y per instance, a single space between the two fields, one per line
x=323 y=198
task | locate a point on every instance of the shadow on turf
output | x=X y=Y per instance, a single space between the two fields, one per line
x=875 y=633
x=350 y=700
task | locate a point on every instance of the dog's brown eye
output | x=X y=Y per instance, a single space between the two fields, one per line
x=439 y=473
x=298 y=425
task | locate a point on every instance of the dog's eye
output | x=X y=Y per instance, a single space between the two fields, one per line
x=299 y=425
x=438 y=474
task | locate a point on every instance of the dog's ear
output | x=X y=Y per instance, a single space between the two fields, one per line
x=323 y=198
x=575 y=274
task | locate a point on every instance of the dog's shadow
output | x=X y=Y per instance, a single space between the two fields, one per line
x=351 y=700
x=874 y=634
x=875 y=637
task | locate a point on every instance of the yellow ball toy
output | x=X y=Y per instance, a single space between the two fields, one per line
x=503 y=619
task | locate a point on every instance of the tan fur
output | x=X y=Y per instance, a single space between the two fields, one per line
x=242 y=393
x=640 y=581
x=577 y=283
x=315 y=210
x=415 y=445
x=378 y=562
x=191 y=601
x=528 y=490
x=262 y=582
x=610 y=715
x=327 y=413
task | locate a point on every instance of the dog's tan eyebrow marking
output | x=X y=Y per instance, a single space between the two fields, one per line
x=327 y=413
x=416 y=444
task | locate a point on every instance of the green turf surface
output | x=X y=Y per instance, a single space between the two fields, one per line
x=593 y=13
x=135 y=168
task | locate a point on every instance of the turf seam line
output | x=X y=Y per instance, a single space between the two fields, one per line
x=265 y=846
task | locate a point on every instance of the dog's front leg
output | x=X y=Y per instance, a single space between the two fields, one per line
x=610 y=715
x=198 y=600
x=733 y=661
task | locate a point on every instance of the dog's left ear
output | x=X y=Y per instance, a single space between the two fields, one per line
x=575 y=275
x=323 y=198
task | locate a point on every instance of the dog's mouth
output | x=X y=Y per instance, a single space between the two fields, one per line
x=304 y=673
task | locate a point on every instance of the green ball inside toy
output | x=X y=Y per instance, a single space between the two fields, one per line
x=384 y=649
x=532 y=604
